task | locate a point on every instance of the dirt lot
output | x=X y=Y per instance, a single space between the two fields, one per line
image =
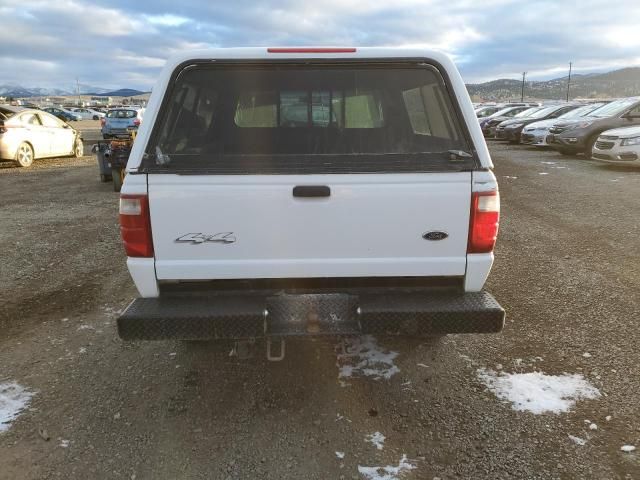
x=566 y=272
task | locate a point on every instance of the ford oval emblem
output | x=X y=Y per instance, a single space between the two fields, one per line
x=435 y=236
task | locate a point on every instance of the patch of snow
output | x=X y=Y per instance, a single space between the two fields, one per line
x=377 y=439
x=510 y=177
x=578 y=440
x=549 y=163
x=367 y=358
x=13 y=399
x=340 y=455
x=82 y=350
x=172 y=354
x=586 y=355
x=608 y=418
x=537 y=392
x=422 y=365
x=628 y=448
x=390 y=472
x=543 y=173
x=64 y=443
x=593 y=426
x=86 y=327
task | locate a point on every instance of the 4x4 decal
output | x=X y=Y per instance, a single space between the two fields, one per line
x=196 y=238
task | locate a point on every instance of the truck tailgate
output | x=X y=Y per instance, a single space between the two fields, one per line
x=250 y=226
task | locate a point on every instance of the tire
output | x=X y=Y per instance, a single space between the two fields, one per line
x=25 y=155
x=117 y=174
x=96 y=117
x=78 y=149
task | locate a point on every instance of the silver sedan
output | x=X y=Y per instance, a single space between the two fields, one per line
x=28 y=134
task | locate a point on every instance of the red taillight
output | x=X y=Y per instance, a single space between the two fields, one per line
x=136 y=122
x=135 y=225
x=484 y=221
x=311 y=50
x=103 y=121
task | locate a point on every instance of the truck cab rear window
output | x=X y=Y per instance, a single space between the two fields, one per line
x=283 y=119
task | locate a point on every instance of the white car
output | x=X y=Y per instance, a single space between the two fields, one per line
x=275 y=192
x=536 y=133
x=30 y=134
x=620 y=146
x=88 y=113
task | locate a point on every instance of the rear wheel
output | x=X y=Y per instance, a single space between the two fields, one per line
x=96 y=117
x=24 y=155
x=78 y=150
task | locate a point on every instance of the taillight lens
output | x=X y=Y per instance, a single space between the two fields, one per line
x=484 y=221
x=135 y=226
x=136 y=122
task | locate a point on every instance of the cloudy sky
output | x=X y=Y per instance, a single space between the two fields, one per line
x=123 y=43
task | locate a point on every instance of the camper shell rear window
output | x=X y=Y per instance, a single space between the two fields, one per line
x=280 y=118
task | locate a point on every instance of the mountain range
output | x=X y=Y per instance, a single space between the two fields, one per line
x=618 y=83
x=17 y=91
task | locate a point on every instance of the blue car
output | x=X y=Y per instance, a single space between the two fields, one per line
x=120 y=121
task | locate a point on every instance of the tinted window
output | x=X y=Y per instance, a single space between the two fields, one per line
x=122 y=114
x=306 y=119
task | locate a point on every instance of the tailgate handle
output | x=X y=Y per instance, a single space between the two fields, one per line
x=307 y=191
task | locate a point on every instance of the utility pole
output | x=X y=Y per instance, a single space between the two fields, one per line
x=524 y=75
x=78 y=91
x=569 y=80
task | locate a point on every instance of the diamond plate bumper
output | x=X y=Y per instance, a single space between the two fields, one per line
x=413 y=314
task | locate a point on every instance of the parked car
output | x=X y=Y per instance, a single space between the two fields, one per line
x=620 y=146
x=63 y=114
x=225 y=211
x=511 y=129
x=536 y=133
x=88 y=113
x=489 y=124
x=120 y=121
x=579 y=136
x=29 y=134
x=485 y=111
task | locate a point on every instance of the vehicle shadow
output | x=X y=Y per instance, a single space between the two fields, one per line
x=634 y=169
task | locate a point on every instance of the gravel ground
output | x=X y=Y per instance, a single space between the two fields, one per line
x=566 y=272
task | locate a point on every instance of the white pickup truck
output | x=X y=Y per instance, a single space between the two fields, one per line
x=274 y=192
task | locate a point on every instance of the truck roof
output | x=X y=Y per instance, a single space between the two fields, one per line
x=273 y=53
